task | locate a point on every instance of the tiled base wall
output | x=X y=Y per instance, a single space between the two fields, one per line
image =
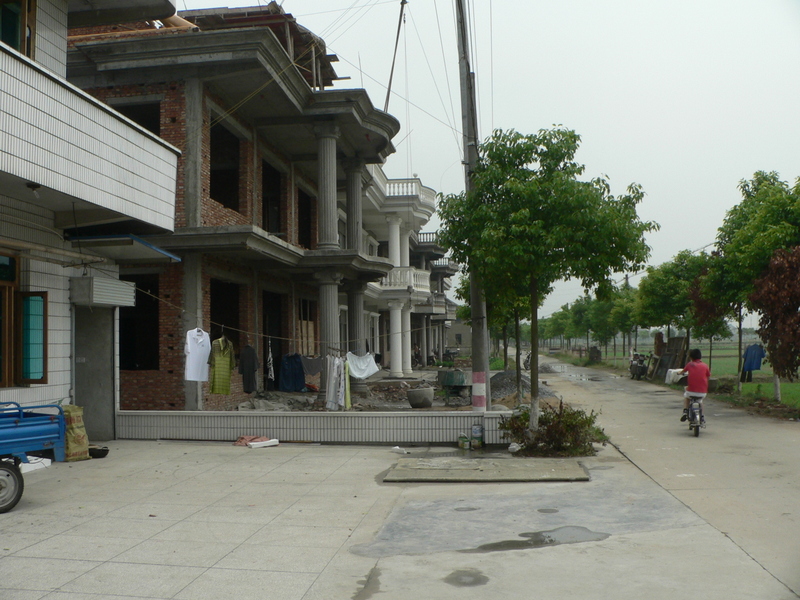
x=346 y=428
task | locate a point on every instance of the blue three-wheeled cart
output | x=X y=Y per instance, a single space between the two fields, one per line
x=34 y=430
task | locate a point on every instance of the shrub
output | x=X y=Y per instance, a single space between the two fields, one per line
x=496 y=364
x=564 y=432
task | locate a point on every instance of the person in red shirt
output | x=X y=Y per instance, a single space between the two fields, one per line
x=697 y=381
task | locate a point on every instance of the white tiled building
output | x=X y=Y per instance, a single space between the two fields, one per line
x=69 y=161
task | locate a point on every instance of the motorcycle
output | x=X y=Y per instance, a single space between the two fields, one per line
x=638 y=366
x=695 y=416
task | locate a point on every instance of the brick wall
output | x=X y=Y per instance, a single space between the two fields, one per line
x=162 y=389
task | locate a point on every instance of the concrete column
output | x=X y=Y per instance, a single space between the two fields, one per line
x=396 y=339
x=191 y=318
x=405 y=257
x=328 y=217
x=356 y=325
x=394 y=240
x=353 y=169
x=423 y=340
x=328 y=320
x=328 y=310
x=407 y=340
x=376 y=332
x=193 y=154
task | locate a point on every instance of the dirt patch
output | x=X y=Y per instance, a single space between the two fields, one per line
x=770 y=408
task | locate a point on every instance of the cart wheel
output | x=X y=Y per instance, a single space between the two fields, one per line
x=11 y=485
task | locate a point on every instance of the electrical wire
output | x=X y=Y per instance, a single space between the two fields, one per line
x=434 y=78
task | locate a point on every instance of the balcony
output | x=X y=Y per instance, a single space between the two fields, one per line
x=64 y=151
x=408 y=280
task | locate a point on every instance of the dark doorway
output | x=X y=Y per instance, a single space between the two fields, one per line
x=273 y=319
x=138 y=326
x=304 y=219
x=225 y=311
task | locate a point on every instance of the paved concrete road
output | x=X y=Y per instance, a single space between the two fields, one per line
x=741 y=476
x=207 y=521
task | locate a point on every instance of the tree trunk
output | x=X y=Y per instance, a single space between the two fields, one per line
x=615 y=349
x=739 y=369
x=505 y=346
x=710 y=350
x=518 y=334
x=534 y=414
x=777 y=385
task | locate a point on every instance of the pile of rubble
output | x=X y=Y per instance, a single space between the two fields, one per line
x=393 y=395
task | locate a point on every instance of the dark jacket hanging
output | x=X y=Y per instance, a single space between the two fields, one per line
x=293 y=378
x=248 y=368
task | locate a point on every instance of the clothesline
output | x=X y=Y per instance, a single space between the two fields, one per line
x=297 y=341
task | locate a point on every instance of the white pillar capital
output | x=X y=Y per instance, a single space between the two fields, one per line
x=322 y=130
x=329 y=277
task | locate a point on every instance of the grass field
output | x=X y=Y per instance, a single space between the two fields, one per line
x=722 y=357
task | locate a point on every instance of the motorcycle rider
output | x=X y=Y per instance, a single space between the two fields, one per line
x=697 y=382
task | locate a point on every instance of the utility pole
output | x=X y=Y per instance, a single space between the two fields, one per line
x=481 y=392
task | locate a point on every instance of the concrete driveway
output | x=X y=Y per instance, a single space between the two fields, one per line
x=199 y=521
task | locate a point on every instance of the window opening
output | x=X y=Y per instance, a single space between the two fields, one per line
x=139 y=326
x=271 y=198
x=34 y=337
x=273 y=318
x=23 y=329
x=225 y=311
x=148 y=115
x=308 y=316
x=304 y=220
x=224 y=167
x=18 y=24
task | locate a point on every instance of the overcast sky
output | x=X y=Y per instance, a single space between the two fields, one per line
x=685 y=97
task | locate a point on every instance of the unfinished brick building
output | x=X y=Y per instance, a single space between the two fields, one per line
x=286 y=229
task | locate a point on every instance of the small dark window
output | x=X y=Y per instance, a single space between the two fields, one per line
x=138 y=326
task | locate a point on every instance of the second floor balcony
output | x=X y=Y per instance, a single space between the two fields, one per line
x=407 y=279
x=89 y=165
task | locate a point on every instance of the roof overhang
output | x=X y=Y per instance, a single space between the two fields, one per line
x=250 y=70
x=124 y=248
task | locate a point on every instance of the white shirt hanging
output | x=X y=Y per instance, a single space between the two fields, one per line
x=197 y=349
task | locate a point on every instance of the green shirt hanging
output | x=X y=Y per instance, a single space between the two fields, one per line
x=222 y=362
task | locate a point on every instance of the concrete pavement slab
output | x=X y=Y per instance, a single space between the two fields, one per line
x=331 y=528
x=486 y=469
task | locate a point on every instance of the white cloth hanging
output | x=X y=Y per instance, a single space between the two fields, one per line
x=197 y=349
x=334 y=383
x=362 y=367
x=270 y=367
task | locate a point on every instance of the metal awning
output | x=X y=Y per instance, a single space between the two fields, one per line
x=124 y=248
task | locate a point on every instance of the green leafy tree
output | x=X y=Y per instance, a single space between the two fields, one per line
x=529 y=218
x=600 y=321
x=624 y=313
x=767 y=219
x=665 y=291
